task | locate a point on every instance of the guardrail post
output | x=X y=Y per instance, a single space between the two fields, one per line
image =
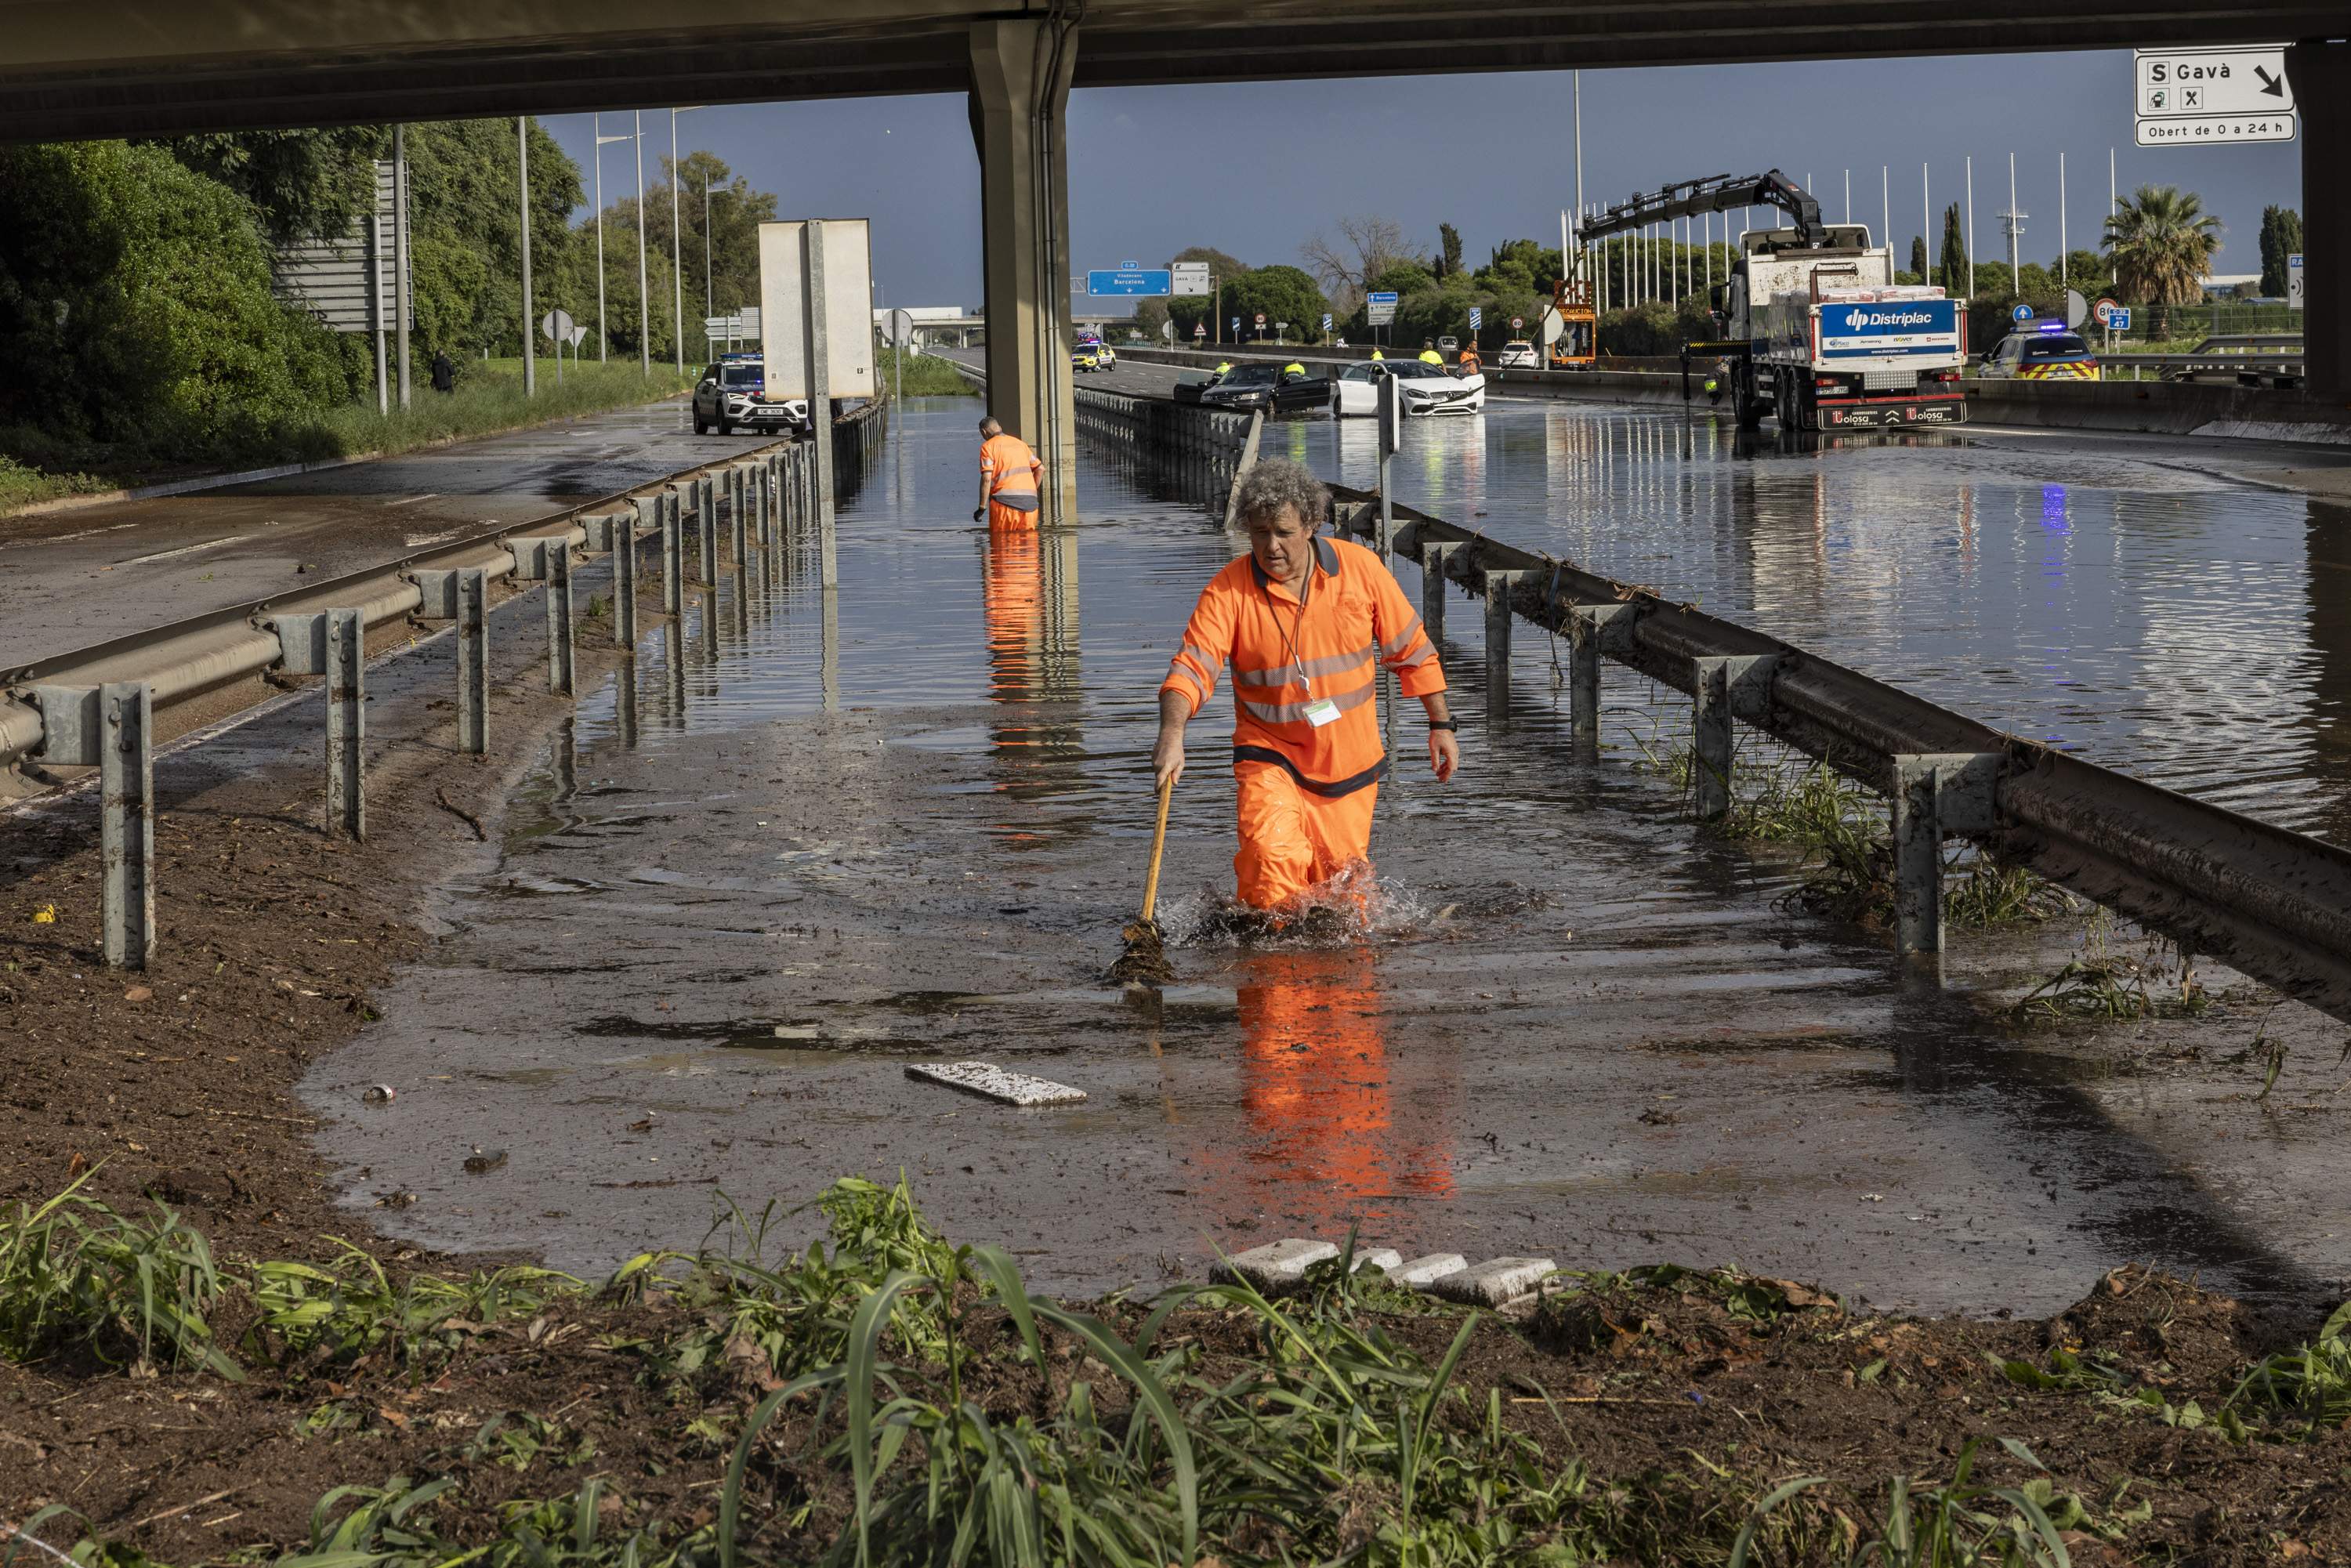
x=345 y=724
x=473 y=660
x=624 y=584
x=558 y=618
x=673 y=554
x=1432 y=576
x=1498 y=582
x=1726 y=687
x=706 y=532
x=744 y=483
x=1247 y=462
x=1935 y=794
x=1593 y=630
x=126 y=771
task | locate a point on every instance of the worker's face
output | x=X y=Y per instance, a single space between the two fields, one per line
x=1283 y=544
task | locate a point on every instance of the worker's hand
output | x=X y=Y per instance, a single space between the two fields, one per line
x=979 y=514
x=1167 y=758
x=1444 y=753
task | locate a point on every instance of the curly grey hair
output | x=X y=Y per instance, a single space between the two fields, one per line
x=1278 y=482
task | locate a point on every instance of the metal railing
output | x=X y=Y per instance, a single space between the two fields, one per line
x=96 y=705
x=2275 y=903
x=1198 y=452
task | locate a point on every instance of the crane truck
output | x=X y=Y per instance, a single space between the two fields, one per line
x=1814 y=332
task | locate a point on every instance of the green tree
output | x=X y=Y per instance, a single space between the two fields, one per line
x=303 y=185
x=1282 y=294
x=1918 y=256
x=1953 y=261
x=136 y=310
x=466 y=238
x=1448 y=240
x=2280 y=237
x=2161 y=242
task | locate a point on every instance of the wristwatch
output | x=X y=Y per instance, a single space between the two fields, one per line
x=1452 y=724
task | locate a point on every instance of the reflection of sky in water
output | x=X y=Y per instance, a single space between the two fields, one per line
x=2154 y=620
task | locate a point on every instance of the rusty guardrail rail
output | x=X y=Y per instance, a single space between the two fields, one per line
x=2272 y=903
x=96 y=705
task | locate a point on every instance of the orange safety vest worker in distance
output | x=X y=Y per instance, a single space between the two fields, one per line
x=1307 y=749
x=1010 y=474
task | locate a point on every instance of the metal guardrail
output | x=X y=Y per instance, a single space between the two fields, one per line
x=96 y=705
x=2272 y=903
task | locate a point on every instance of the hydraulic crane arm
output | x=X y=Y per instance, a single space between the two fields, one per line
x=1715 y=193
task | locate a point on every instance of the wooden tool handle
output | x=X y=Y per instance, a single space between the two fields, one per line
x=1159 y=847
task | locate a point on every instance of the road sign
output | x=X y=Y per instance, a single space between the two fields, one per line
x=2210 y=97
x=1260 y=317
x=1129 y=280
x=2077 y=307
x=1189 y=278
x=2293 y=281
x=2103 y=310
x=1237 y=326
x=1326 y=320
x=1129 y=265
x=2118 y=319
x=1516 y=322
x=1477 y=317
x=1380 y=308
x=2020 y=313
x=1199 y=330
x=1167 y=330
x=578 y=335
x=555 y=327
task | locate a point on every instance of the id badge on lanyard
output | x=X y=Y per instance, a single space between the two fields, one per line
x=1321 y=711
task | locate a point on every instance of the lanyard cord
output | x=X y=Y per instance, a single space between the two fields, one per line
x=1273 y=608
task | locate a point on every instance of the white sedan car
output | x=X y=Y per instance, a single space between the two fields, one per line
x=1518 y=354
x=1425 y=388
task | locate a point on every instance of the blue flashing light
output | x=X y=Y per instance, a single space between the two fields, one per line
x=2049 y=325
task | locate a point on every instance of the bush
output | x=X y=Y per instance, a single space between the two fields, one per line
x=135 y=308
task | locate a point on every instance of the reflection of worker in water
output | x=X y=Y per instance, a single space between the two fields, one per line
x=1009 y=479
x=1319 y=1091
x=1012 y=609
x=1302 y=620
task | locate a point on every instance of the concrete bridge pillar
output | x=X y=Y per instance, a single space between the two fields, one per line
x=2320 y=73
x=1019 y=100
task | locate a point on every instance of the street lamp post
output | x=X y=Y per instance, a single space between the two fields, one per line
x=522 y=175
x=645 y=300
x=709 y=305
x=604 y=339
x=676 y=262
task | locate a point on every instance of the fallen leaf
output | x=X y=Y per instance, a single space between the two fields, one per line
x=139 y=994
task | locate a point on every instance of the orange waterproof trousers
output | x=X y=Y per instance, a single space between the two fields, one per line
x=1000 y=516
x=1292 y=837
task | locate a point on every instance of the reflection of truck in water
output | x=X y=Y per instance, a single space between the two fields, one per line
x=1814 y=330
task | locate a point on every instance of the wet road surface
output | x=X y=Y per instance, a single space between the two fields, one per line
x=806 y=844
x=73 y=577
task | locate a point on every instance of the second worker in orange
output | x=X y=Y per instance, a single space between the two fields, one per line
x=1304 y=621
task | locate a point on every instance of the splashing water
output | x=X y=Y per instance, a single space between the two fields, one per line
x=1351 y=907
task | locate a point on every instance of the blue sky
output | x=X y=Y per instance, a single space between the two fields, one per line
x=1255 y=168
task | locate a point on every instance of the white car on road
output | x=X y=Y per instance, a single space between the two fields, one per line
x=1425 y=388
x=1518 y=354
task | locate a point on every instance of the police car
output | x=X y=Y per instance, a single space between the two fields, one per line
x=1105 y=355
x=729 y=396
x=2049 y=351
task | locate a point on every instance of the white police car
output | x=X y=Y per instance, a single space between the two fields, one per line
x=729 y=396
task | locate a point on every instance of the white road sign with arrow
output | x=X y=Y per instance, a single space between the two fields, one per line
x=2211 y=97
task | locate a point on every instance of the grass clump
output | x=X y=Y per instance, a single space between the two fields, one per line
x=927 y=375
x=74 y=1274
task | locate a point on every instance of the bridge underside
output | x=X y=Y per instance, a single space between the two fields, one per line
x=116 y=68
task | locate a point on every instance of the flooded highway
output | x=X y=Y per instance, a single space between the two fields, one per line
x=807 y=843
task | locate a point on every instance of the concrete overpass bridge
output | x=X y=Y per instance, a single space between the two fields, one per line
x=77 y=69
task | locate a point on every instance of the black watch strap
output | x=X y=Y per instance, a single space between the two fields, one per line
x=1451 y=724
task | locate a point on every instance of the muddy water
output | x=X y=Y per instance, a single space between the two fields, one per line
x=805 y=845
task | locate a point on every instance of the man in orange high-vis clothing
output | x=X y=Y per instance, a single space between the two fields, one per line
x=1009 y=477
x=1304 y=621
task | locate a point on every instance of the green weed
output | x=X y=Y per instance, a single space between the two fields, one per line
x=74 y=1272
x=1963 y=1523
x=2311 y=1383
x=350 y=1307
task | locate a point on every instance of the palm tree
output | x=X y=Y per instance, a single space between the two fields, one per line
x=2161 y=242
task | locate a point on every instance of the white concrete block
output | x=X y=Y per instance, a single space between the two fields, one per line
x=1275 y=1263
x=1387 y=1257
x=1494 y=1282
x=1421 y=1271
x=993 y=1082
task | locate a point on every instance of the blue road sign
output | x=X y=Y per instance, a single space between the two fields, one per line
x=1381 y=296
x=1477 y=317
x=1326 y=320
x=2118 y=319
x=1237 y=323
x=1130 y=280
x=2020 y=313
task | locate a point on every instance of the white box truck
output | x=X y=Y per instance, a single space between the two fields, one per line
x=1833 y=342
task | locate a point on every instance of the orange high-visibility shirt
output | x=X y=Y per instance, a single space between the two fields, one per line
x=1286 y=656
x=1010 y=469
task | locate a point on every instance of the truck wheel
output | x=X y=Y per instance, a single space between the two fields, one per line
x=1746 y=406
